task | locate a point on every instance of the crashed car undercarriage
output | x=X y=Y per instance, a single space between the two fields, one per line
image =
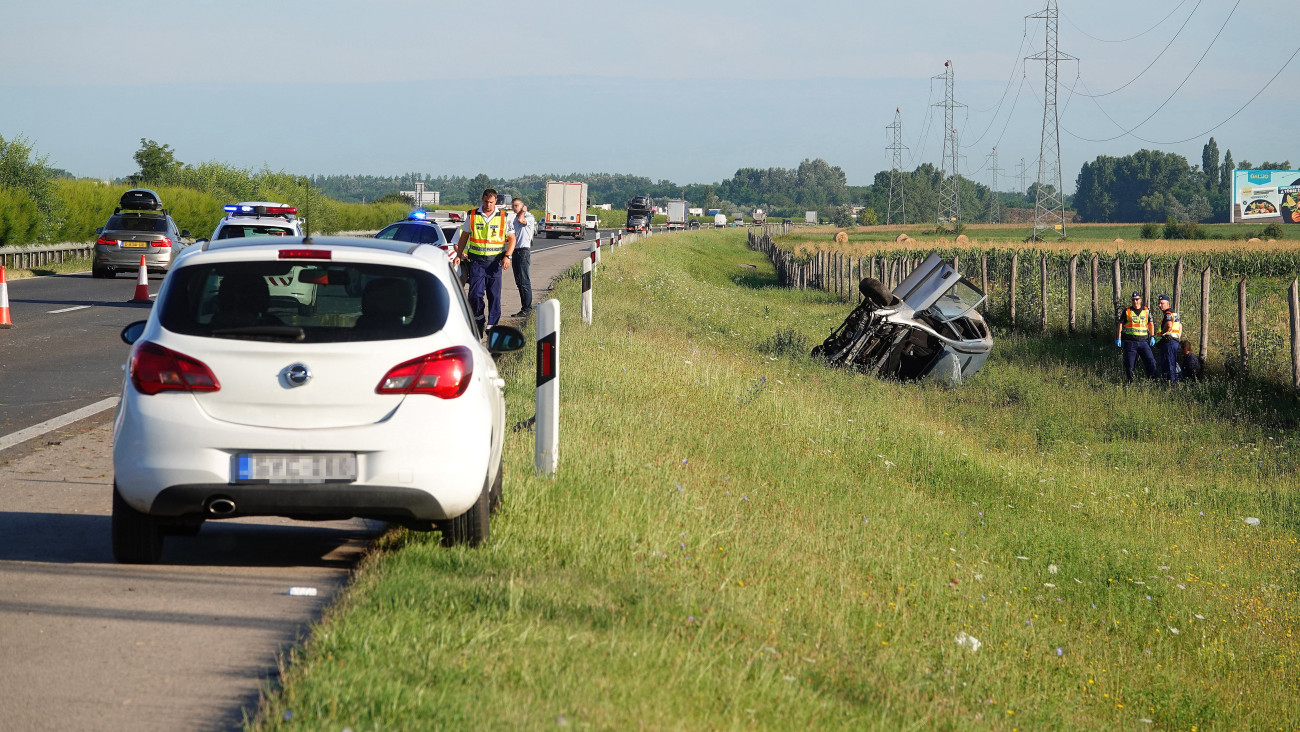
x=927 y=328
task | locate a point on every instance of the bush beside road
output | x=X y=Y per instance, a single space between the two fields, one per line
x=740 y=537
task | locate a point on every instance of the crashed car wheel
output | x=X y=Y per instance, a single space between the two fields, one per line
x=875 y=291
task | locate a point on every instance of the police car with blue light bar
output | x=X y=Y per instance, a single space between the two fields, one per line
x=258 y=218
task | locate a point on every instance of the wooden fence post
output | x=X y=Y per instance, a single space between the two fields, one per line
x=1116 y=286
x=1093 y=266
x=984 y=279
x=1178 y=285
x=956 y=263
x=1146 y=283
x=1042 y=276
x=1015 y=267
x=1241 y=326
x=1074 y=264
x=1293 y=304
x=873 y=269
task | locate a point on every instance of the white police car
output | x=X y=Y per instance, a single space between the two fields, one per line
x=332 y=400
x=257 y=218
x=421 y=227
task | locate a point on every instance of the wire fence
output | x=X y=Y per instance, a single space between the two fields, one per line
x=1239 y=324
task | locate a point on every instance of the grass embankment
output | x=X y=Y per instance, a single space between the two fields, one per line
x=739 y=537
x=81 y=264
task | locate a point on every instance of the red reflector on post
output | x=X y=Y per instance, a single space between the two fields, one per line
x=305 y=254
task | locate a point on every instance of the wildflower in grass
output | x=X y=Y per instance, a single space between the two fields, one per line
x=1060 y=652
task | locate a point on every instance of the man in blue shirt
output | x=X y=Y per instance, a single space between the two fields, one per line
x=525 y=225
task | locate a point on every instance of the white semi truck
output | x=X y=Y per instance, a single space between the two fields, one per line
x=676 y=215
x=566 y=209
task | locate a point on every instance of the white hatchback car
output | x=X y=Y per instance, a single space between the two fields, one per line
x=315 y=379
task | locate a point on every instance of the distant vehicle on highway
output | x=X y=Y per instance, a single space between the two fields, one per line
x=566 y=210
x=592 y=222
x=313 y=379
x=719 y=220
x=676 y=215
x=421 y=228
x=257 y=218
x=139 y=225
x=693 y=224
x=640 y=213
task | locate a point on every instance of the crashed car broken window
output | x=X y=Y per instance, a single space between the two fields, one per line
x=926 y=328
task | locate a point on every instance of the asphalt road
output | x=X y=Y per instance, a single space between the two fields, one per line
x=86 y=643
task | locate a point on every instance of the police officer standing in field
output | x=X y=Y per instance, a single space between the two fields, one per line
x=1136 y=335
x=486 y=245
x=1170 y=333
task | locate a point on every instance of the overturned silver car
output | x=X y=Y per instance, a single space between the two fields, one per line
x=927 y=328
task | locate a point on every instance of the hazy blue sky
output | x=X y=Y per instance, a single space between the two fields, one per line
x=688 y=91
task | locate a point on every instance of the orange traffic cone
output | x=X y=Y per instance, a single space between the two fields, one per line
x=142 y=284
x=5 y=322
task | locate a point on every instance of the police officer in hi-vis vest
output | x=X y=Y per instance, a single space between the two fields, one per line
x=1136 y=335
x=486 y=243
x=1170 y=333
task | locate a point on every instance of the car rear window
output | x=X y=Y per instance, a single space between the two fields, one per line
x=413 y=233
x=325 y=302
x=239 y=231
x=143 y=224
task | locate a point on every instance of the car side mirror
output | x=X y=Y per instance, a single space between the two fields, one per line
x=185 y=233
x=98 y=231
x=132 y=332
x=200 y=241
x=504 y=339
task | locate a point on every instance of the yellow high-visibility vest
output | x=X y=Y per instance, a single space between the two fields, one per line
x=1137 y=323
x=487 y=234
x=1171 y=326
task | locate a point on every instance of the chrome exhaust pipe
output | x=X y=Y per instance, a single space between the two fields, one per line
x=221 y=506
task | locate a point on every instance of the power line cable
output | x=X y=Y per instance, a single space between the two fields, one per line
x=1018 y=64
x=1172 y=94
x=1130 y=38
x=919 y=148
x=1229 y=118
x=1162 y=51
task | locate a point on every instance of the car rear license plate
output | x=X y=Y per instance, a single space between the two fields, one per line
x=135 y=244
x=329 y=467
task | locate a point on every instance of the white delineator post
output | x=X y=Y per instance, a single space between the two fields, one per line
x=546 y=453
x=595 y=248
x=586 y=290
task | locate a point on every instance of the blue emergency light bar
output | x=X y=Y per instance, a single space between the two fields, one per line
x=418 y=216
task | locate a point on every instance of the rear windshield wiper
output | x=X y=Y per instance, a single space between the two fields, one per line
x=268 y=332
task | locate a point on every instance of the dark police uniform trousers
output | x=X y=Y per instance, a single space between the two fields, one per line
x=1134 y=347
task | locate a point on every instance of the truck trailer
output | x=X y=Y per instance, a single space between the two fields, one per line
x=676 y=215
x=566 y=209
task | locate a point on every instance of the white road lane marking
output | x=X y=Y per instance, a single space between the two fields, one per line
x=66 y=310
x=49 y=425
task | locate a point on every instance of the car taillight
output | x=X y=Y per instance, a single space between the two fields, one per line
x=444 y=374
x=156 y=369
x=164 y=243
x=104 y=241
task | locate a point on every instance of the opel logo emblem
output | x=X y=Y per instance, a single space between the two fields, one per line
x=297 y=374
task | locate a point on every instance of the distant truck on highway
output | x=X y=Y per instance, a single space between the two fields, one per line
x=676 y=215
x=810 y=217
x=719 y=220
x=566 y=209
x=760 y=217
x=639 y=213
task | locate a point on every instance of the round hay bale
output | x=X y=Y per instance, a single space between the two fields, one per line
x=1118 y=241
x=902 y=238
x=842 y=237
x=944 y=241
x=1253 y=241
x=963 y=240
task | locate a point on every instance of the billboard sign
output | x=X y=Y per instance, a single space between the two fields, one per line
x=1266 y=196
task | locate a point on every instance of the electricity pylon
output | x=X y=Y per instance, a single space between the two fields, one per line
x=995 y=205
x=949 y=213
x=1049 y=196
x=897 y=204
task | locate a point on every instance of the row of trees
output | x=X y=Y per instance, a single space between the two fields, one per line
x=1151 y=185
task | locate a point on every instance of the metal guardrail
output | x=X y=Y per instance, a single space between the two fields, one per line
x=43 y=254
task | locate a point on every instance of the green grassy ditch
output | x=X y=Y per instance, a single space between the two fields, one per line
x=742 y=538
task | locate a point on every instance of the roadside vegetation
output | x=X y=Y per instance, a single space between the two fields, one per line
x=740 y=537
